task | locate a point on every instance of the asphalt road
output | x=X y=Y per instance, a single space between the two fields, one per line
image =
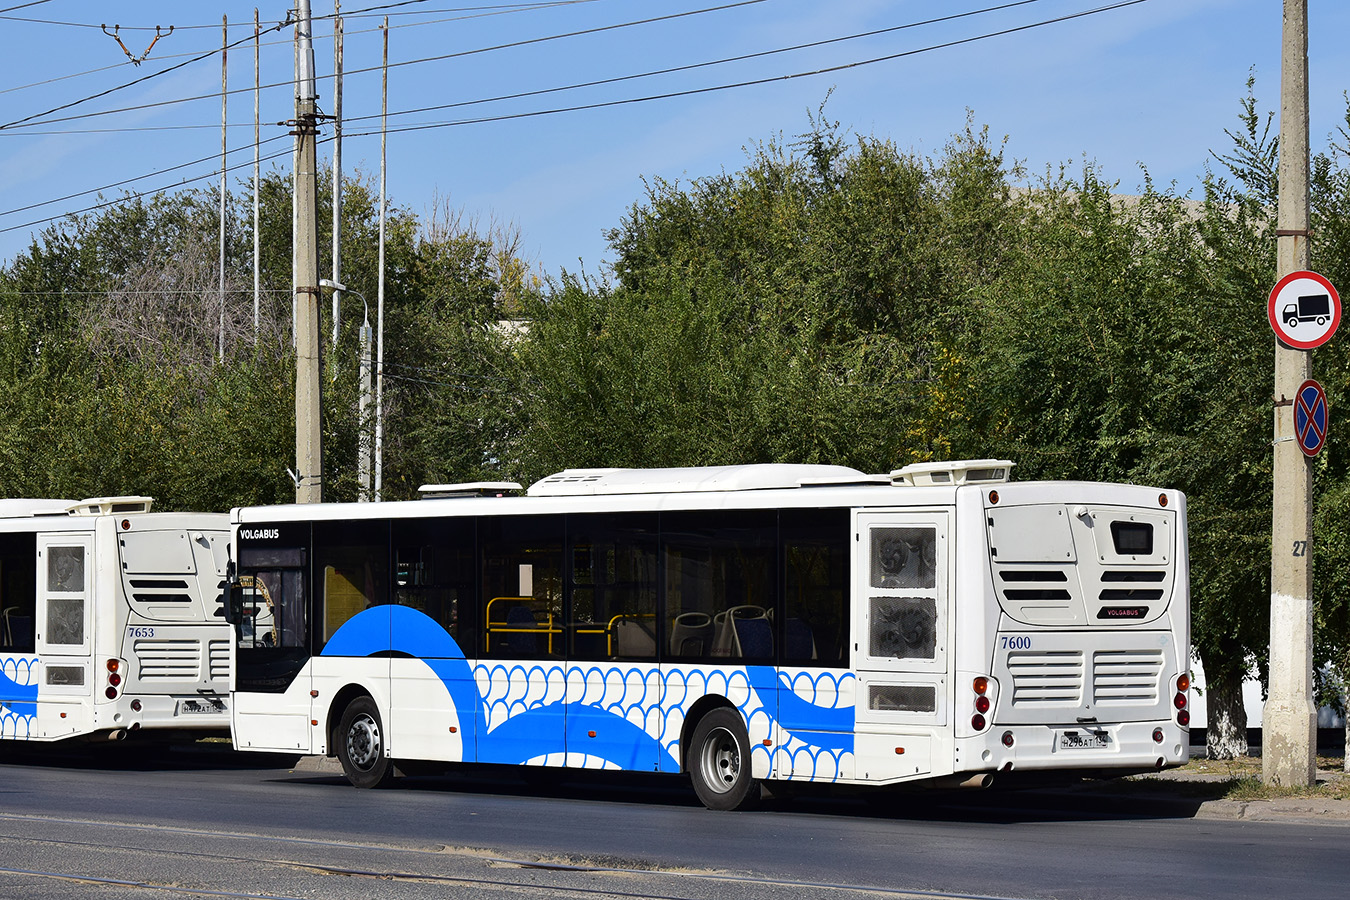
x=135 y=825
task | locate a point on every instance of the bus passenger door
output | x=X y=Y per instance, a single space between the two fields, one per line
x=272 y=705
x=63 y=638
x=901 y=643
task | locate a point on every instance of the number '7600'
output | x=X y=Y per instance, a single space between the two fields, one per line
x=1015 y=642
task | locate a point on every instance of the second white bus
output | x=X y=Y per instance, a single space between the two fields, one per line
x=739 y=624
x=111 y=620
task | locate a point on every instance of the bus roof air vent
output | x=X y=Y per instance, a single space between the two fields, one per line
x=956 y=472
x=110 y=506
x=469 y=489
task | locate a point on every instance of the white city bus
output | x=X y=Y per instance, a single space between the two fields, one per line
x=111 y=620
x=740 y=624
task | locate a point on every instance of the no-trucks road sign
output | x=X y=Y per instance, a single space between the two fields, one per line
x=1304 y=309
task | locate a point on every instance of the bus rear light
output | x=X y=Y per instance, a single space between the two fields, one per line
x=111 y=693
x=1158 y=735
x=1179 y=701
x=114 y=665
x=1184 y=718
x=135 y=706
x=981 y=684
x=1184 y=682
x=114 y=679
x=1008 y=739
x=982 y=704
x=1162 y=499
x=977 y=722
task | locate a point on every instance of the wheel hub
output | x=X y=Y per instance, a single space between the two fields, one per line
x=363 y=742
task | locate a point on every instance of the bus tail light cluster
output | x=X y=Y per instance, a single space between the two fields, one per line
x=115 y=669
x=981 y=688
x=1182 y=700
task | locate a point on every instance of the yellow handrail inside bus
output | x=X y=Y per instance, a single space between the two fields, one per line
x=505 y=627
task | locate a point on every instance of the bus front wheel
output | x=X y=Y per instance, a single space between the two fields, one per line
x=360 y=745
x=719 y=761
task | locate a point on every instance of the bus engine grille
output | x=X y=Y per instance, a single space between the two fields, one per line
x=169 y=660
x=1126 y=676
x=1046 y=678
x=219 y=660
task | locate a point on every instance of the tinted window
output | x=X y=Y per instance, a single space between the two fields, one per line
x=351 y=572
x=613 y=586
x=522 y=588
x=18 y=592
x=434 y=566
x=720 y=584
x=815 y=579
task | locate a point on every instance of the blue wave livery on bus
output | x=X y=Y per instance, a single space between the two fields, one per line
x=739 y=624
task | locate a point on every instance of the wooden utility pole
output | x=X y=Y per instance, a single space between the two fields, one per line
x=1289 y=720
x=305 y=271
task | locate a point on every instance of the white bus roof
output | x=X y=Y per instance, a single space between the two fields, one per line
x=764 y=476
x=26 y=508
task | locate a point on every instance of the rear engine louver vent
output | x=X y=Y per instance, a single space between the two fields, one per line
x=1046 y=678
x=169 y=660
x=1126 y=676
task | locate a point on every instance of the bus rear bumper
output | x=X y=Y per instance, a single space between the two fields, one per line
x=1127 y=747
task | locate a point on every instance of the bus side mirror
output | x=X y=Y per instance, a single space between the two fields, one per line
x=234 y=603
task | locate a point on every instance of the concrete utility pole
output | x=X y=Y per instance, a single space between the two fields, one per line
x=305 y=272
x=224 y=93
x=1289 y=720
x=337 y=183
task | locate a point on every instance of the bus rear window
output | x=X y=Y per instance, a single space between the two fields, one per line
x=1132 y=538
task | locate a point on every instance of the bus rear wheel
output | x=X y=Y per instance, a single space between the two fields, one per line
x=719 y=761
x=360 y=745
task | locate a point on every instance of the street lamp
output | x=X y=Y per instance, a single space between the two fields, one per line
x=363 y=445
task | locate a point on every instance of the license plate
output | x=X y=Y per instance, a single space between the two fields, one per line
x=1081 y=740
x=191 y=707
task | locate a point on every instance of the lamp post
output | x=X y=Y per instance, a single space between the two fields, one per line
x=363 y=444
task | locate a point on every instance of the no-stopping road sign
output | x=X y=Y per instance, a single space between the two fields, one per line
x=1310 y=417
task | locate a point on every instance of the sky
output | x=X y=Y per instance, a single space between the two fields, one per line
x=1150 y=84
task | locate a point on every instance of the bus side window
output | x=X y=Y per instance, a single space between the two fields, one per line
x=612 y=612
x=18 y=592
x=521 y=597
x=721 y=588
x=351 y=566
x=434 y=561
x=815 y=586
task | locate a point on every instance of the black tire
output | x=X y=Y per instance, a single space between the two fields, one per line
x=360 y=745
x=719 y=761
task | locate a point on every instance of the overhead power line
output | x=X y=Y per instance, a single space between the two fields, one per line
x=486 y=12
x=362 y=13
x=585 y=84
x=604 y=104
x=111 y=90
x=691 y=92
x=522 y=43
x=691 y=66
